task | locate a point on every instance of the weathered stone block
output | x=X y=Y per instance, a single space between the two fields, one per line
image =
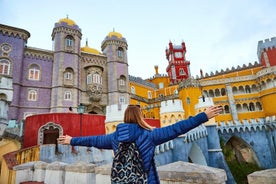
x=80 y=172
x=188 y=173
x=262 y=177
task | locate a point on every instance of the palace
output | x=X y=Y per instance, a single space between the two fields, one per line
x=38 y=84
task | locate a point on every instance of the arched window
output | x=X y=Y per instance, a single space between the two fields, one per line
x=69 y=42
x=247 y=89
x=241 y=89
x=89 y=79
x=269 y=83
x=235 y=90
x=122 y=100
x=67 y=95
x=258 y=106
x=245 y=107
x=32 y=95
x=182 y=72
x=149 y=95
x=239 y=108
x=97 y=78
x=68 y=76
x=188 y=100
x=251 y=107
x=120 y=52
x=161 y=85
x=223 y=92
x=133 y=90
x=34 y=72
x=226 y=109
x=254 y=88
x=211 y=93
x=4 y=67
x=122 y=80
x=217 y=92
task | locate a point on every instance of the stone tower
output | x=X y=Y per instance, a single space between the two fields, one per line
x=66 y=88
x=114 y=46
x=266 y=52
x=178 y=68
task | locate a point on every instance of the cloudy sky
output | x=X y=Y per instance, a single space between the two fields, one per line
x=218 y=34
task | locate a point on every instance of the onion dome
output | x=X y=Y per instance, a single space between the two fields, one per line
x=116 y=34
x=89 y=49
x=68 y=21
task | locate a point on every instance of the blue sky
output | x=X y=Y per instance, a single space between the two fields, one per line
x=218 y=34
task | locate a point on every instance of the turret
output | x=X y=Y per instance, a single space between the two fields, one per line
x=66 y=78
x=178 y=68
x=115 y=48
x=267 y=52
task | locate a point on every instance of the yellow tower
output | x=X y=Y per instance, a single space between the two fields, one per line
x=189 y=92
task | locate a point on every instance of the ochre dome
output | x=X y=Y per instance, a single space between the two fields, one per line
x=113 y=33
x=68 y=21
x=89 y=49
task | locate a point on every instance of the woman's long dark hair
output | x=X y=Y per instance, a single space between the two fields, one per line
x=133 y=114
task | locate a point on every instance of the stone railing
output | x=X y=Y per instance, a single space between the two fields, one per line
x=84 y=173
x=87 y=173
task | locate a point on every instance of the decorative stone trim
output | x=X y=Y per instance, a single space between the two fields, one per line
x=46 y=127
x=255 y=124
x=39 y=54
x=14 y=32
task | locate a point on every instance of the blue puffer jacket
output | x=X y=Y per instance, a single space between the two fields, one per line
x=146 y=140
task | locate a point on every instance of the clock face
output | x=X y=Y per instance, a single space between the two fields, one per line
x=178 y=54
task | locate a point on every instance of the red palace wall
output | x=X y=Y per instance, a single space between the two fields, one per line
x=271 y=53
x=92 y=124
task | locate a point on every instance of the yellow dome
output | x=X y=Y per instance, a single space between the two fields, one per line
x=89 y=49
x=113 y=33
x=68 y=21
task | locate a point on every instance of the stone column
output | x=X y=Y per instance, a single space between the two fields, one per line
x=24 y=172
x=103 y=173
x=39 y=171
x=55 y=173
x=80 y=173
x=188 y=173
x=216 y=157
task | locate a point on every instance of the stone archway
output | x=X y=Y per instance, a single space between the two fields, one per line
x=237 y=149
x=196 y=156
x=48 y=133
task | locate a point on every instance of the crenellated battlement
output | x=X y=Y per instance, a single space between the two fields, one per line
x=265 y=44
x=171 y=106
x=248 y=125
x=115 y=112
x=139 y=80
x=195 y=134
x=229 y=70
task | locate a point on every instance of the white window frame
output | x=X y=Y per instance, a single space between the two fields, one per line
x=149 y=95
x=5 y=65
x=32 y=95
x=133 y=90
x=34 y=73
x=67 y=95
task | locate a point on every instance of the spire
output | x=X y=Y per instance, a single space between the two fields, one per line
x=86 y=43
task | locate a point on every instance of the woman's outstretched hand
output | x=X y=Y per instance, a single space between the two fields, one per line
x=64 y=139
x=213 y=111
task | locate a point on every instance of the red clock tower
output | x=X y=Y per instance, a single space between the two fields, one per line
x=178 y=68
